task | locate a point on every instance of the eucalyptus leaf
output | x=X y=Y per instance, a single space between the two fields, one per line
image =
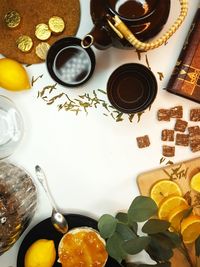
x=197 y=246
x=154 y=226
x=173 y=238
x=134 y=227
x=164 y=264
x=122 y=217
x=125 y=232
x=107 y=225
x=141 y=209
x=158 y=249
x=136 y=245
x=114 y=248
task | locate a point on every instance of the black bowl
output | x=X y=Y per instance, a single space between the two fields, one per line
x=45 y=230
x=132 y=88
x=70 y=64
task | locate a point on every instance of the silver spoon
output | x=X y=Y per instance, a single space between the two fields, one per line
x=57 y=219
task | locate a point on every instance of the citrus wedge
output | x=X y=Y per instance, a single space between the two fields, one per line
x=168 y=204
x=190 y=228
x=163 y=189
x=195 y=182
x=176 y=216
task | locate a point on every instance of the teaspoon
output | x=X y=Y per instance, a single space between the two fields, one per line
x=57 y=219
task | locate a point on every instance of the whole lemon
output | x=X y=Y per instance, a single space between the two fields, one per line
x=13 y=75
x=41 y=253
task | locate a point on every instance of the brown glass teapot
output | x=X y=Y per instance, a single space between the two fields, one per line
x=129 y=23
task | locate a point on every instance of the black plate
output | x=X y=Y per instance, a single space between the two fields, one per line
x=45 y=230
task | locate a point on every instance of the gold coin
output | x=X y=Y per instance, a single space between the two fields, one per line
x=42 y=32
x=41 y=50
x=56 y=24
x=12 y=19
x=24 y=43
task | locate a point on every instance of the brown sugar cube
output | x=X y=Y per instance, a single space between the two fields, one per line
x=143 y=141
x=180 y=125
x=195 y=143
x=193 y=130
x=168 y=151
x=195 y=114
x=163 y=114
x=176 y=112
x=167 y=135
x=182 y=139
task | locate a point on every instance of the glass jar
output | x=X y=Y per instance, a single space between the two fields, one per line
x=11 y=127
x=18 y=200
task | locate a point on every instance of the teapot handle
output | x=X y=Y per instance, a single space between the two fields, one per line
x=120 y=27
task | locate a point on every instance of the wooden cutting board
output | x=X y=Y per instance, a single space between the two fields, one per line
x=180 y=173
x=32 y=13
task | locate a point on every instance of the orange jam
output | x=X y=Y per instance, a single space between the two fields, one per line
x=83 y=248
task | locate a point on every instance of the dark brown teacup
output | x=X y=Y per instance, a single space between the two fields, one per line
x=132 y=88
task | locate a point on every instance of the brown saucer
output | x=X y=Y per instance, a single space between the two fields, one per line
x=32 y=13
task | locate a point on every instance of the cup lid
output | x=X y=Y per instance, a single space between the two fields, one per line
x=132 y=88
x=70 y=64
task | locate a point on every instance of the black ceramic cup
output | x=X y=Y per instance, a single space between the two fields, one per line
x=132 y=88
x=70 y=64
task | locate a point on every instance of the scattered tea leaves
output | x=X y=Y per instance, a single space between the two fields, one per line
x=161 y=75
x=147 y=62
x=33 y=80
x=83 y=103
x=162 y=160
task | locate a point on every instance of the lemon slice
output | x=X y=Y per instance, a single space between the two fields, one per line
x=41 y=253
x=195 y=182
x=163 y=189
x=168 y=204
x=176 y=216
x=190 y=228
x=13 y=75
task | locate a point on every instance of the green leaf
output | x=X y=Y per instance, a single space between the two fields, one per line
x=164 y=264
x=159 y=249
x=154 y=226
x=134 y=227
x=197 y=246
x=114 y=248
x=141 y=209
x=107 y=225
x=136 y=245
x=122 y=217
x=173 y=239
x=125 y=232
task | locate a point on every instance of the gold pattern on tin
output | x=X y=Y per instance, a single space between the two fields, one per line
x=42 y=32
x=12 y=19
x=24 y=43
x=56 y=24
x=41 y=50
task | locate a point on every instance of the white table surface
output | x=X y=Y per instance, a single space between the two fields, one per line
x=92 y=161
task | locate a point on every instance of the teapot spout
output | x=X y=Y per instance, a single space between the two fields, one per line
x=99 y=37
